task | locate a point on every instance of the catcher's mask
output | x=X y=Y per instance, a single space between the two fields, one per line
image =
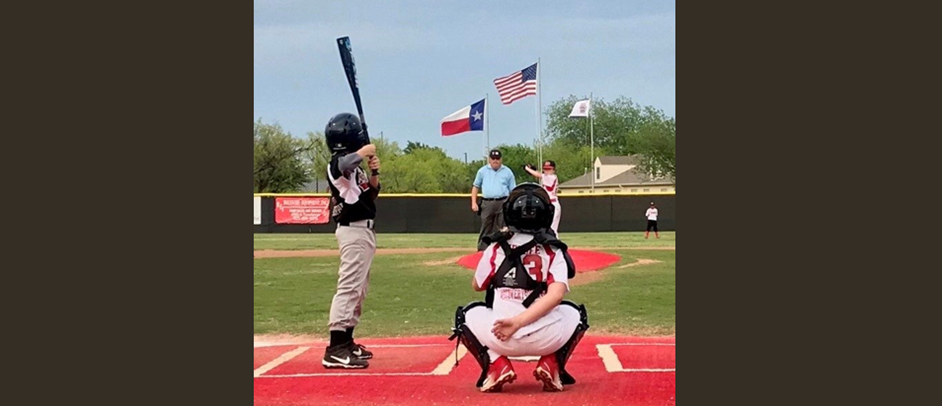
x=528 y=209
x=344 y=133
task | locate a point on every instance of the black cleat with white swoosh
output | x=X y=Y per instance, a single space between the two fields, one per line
x=360 y=351
x=341 y=356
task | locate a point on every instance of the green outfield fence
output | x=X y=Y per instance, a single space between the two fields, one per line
x=451 y=213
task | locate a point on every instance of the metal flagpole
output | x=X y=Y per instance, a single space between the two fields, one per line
x=539 y=96
x=592 y=139
x=487 y=128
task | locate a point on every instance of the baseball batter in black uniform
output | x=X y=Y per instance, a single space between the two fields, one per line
x=353 y=196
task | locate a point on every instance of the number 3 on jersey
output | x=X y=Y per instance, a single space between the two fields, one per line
x=534 y=265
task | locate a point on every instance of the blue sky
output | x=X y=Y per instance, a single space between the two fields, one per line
x=419 y=61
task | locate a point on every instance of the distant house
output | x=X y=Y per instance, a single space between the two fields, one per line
x=616 y=174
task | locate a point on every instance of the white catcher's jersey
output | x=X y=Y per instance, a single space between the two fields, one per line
x=550 y=185
x=544 y=263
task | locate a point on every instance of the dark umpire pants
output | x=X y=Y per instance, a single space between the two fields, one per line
x=492 y=218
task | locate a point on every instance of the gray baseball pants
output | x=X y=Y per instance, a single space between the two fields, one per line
x=492 y=219
x=357 y=246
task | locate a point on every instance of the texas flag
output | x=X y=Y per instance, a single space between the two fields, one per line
x=470 y=118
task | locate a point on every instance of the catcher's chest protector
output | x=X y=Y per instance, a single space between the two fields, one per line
x=512 y=273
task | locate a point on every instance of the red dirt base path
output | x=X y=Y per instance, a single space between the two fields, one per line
x=586 y=261
x=609 y=370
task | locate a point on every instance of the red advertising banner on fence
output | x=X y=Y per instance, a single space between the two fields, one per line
x=302 y=210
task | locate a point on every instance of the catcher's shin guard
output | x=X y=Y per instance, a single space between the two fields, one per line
x=565 y=352
x=466 y=338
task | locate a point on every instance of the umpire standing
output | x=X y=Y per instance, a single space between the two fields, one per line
x=494 y=181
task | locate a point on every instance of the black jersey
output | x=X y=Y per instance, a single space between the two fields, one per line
x=351 y=193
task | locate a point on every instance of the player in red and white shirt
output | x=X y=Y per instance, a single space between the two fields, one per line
x=550 y=183
x=508 y=327
x=545 y=263
x=651 y=214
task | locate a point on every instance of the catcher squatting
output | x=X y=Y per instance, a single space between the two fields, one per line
x=524 y=272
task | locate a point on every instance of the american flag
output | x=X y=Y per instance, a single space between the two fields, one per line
x=517 y=85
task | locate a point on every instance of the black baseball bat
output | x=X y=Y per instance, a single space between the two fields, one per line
x=350 y=69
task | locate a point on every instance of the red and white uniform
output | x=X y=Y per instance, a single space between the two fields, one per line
x=551 y=185
x=545 y=335
x=651 y=213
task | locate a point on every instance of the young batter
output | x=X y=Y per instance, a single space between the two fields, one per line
x=353 y=209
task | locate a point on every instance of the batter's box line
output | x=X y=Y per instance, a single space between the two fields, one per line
x=275 y=344
x=613 y=364
x=444 y=368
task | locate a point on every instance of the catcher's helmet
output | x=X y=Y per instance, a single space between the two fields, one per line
x=528 y=209
x=344 y=133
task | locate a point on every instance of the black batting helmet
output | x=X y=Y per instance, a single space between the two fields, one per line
x=344 y=133
x=528 y=209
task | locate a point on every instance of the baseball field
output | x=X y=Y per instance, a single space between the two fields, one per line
x=417 y=281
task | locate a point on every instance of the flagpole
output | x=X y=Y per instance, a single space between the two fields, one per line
x=539 y=121
x=592 y=139
x=487 y=128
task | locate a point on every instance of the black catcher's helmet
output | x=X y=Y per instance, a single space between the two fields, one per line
x=528 y=209
x=344 y=133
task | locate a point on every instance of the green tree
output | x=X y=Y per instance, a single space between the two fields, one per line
x=621 y=127
x=426 y=169
x=317 y=158
x=413 y=146
x=472 y=169
x=517 y=155
x=414 y=173
x=388 y=153
x=572 y=161
x=657 y=142
x=279 y=160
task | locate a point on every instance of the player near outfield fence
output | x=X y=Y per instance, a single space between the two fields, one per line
x=651 y=214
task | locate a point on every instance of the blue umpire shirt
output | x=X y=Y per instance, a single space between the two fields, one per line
x=495 y=183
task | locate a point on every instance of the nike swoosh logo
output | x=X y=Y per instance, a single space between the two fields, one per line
x=343 y=360
x=357 y=352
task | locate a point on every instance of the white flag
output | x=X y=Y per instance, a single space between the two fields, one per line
x=580 y=109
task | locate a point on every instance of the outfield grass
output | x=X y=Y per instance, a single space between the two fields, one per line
x=409 y=297
x=394 y=240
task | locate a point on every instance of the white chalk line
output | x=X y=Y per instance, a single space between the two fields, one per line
x=404 y=345
x=613 y=364
x=261 y=344
x=445 y=367
x=609 y=358
x=348 y=374
x=671 y=344
x=280 y=360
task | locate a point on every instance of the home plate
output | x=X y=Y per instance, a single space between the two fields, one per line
x=525 y=358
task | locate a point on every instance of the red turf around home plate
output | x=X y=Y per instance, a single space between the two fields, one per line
x=585 y=260
x=610 y=370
